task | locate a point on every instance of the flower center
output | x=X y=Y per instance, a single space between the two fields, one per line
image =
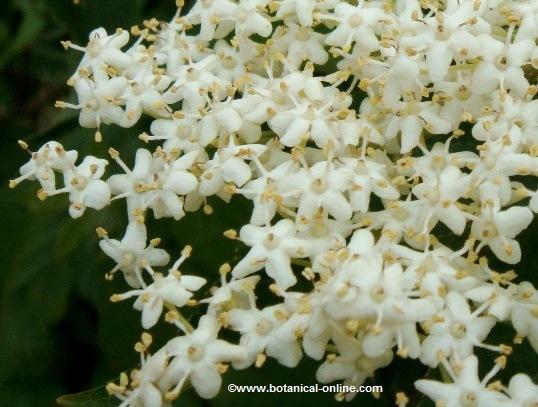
x=270 y=241
x=319 y=229
x=442 y=34
x=128 y=259
x=432 y=196
x=183 y=132
x=469 y=399
x=438 y=162
x=489 y=231
x=458 y=330
x=354 y=21
x=319 y=186
x=195 y=353
x=79 y=183
x=463 y=93
x=264 y=326
x=501 y=62
x=138 y=88
x=378 y=293
x=92 y=104
x=192 y=75
x=361 y=168
x=310 y=113
x=228 y=62
x=40 y=159
x=241 y=16
x=93 y=49
x=490 y=162
x=365 y=364
x=302 y=34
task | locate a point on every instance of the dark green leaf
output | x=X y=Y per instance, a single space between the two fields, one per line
x=30 y=28
x=97 y=397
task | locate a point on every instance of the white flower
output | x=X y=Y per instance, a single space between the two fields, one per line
x=50 y=157
x=132 y=255
x=323 y=186
x=386 y=300
x=272 y=247
x=498 y=230
x=369 y=176
x=442 y=195
x=175 y=289
x=233 y=293
x=246 y=20
x=233 y=60
x=502 y=64
x=266 y=330
x=354 y=371
x=85 y=188
x=223 y=120
x=102 y=49
x=522 y=391
x=500 y=300
x=309 y=117
x=448 y=36
x=459 y=101
x=196 y=355
x=410 y=119
x=302 y=10
x=144 y=390
x=356 y=24
x=402 y=78
x=324 y=234
x=354 y=127
x=507 y=112
x=499 y=160
x=99 y=101
x=144 y=95
x=155 y=182
x=523 y=315
x=302 y=43
x=180 y=132
x=190 y=81
x=467 y=389
x=208 y=13
x=456 y=331
x=228 y=166
x=266 y=193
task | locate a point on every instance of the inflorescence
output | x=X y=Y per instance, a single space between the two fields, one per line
x=358 y=130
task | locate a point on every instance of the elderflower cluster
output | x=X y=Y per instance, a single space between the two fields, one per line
x=369 y=136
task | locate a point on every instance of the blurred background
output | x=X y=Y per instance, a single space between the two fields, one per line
x=59 y=334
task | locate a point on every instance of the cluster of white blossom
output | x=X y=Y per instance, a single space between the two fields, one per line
x=355 y=128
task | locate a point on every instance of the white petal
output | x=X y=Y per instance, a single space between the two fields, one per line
x=411 y=128
x=151 y=312
x=375 y=345
x=135 y=237
x=295 y=132
x=508 y=251
x=180 y=182
x=97 y=194
x=229 y=119
x=438 y=60
x=513 y=220
x=206 y=381
x=452 y=217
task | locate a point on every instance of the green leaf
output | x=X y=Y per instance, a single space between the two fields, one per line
x=97 y=397
x=80 y=19
x=28 y=32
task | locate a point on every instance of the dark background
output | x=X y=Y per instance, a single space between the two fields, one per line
x=58 y=332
